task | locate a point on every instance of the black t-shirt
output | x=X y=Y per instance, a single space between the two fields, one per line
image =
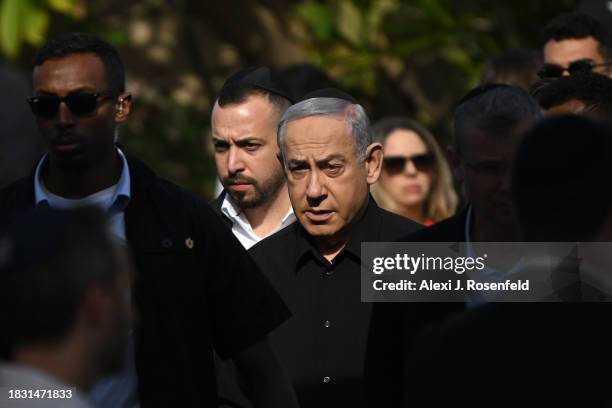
x=323 y=345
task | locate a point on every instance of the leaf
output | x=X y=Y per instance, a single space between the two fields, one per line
x=376 y=14
x=350 y=22
x=319 y=18
x=62 y=6
x=9 y=27
x=35 y=23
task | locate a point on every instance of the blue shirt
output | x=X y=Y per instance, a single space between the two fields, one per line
x=119 y=390
x=112 y=200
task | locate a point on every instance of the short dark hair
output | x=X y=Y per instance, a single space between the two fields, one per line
x=517 y=67
x=577 y=25
x=592 y=89
x=48 y=259
x=561 y=179
x=67 y=44
x=237 y=93
x=493 y=108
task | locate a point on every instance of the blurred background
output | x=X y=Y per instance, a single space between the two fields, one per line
x=411 y=57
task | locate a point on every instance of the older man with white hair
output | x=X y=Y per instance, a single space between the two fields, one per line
x=329 y=161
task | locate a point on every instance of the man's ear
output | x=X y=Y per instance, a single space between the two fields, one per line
x=456 y=163
x=123 y=105
x=373 y=162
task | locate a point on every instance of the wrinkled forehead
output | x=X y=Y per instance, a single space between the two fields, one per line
x=319 y=135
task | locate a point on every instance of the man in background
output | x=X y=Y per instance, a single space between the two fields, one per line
x=245 y=117
x=65 y=301
x=575 y=42
x=488 y=124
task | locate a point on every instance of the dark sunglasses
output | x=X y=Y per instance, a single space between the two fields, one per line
x=80 y=103
x=397 y=164
x=550 y=71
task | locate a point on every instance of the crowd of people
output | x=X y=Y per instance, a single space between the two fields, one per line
x=121 y=289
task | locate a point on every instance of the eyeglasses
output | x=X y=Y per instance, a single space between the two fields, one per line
x=550 y=71
x=80 y=103
x=397 y=164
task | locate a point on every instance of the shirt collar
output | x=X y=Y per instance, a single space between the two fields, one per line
x=121 y=197
x=229 y=208
x=233 y=212
x=362 y=231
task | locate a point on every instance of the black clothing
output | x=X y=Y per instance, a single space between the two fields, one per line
x=195 y=288
x=216 y=206
x=323 y=345
x=395 y=326
x=509 y=355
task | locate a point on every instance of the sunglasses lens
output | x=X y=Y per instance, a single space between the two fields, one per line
x=81 y=103
x=580 y=66
x=550 y=71
x=44 y=106
x=394 y=164
x=423 y=162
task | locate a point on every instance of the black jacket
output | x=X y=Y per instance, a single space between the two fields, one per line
x=189 y=298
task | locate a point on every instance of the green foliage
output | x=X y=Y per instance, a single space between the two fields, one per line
x=408 y=57
x=27 y=21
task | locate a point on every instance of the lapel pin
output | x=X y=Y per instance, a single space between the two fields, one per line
x=189 y=243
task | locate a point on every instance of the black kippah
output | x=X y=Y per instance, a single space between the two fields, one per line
x=330 y=93
x=260 y=77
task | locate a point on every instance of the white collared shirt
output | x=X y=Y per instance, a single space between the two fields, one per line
x=241 y=227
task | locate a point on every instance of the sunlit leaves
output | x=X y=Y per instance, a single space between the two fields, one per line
x=27 y=21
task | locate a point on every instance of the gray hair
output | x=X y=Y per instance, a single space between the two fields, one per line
x=353 y=114
x=496 y=110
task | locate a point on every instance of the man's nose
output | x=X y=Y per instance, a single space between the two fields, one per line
x=316 y=186
x=235 y=163
x=64 y=116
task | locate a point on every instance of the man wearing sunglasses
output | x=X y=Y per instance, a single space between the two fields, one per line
x=574 y=43
x=196 y=288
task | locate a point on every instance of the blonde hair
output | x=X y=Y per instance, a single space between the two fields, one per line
x=442 y=199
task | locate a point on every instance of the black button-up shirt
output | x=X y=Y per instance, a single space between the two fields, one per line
x=323 y=345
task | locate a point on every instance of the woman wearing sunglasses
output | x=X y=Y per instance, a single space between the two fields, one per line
x=415 y=181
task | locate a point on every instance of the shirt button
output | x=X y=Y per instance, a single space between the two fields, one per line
x=329 y=272
x=327 y=323
x=166 y=243
x=326 y=379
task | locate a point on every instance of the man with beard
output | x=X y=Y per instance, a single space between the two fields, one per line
x=197 y=289
x=244 y=119
x=67 y=331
